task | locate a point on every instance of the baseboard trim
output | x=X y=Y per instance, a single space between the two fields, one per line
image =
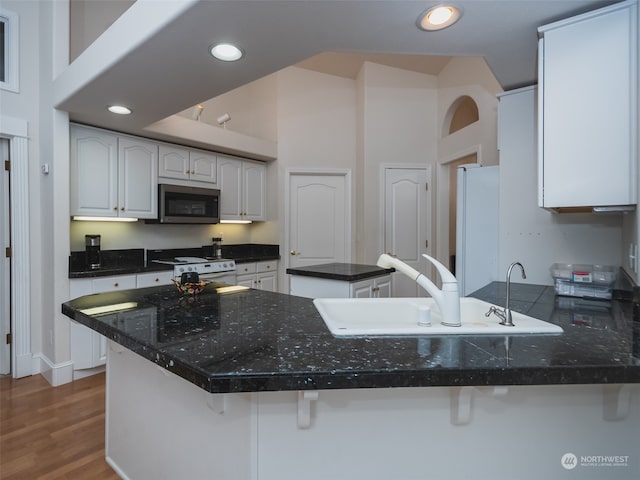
x=55 y=374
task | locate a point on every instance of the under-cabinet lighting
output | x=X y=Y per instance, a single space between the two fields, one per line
x=105 y=219
x=439 y=17
x=235 y=221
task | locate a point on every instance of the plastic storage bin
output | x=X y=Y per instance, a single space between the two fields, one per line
x=589 y=281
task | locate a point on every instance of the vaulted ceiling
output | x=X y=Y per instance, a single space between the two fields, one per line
x=155 y=57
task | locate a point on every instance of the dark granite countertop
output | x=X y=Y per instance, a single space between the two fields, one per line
x=346 y=272
x=254 y=340
x=131 y=261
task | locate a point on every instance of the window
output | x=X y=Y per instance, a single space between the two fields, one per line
x=8 y=50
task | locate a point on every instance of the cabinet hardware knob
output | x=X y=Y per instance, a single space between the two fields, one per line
x=122 y=208
x=116 y=284
x=115 y=208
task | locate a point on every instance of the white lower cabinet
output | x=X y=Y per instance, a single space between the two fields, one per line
x=258 y=275
x=88 y=347
x=313 y=287
x=372 y=288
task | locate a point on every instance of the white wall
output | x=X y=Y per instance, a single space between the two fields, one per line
x=316 y=130
x=463 y=76
x=398 y=121
x=25 y=105
x=531 y=235
x=116 y=235
x=89 y=19
x=252 y=108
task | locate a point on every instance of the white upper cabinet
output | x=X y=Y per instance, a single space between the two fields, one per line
x=94 y=172
x=187 y=165
x=588 y=109
x=138 y=178
x=242 y=186
x=111 y=175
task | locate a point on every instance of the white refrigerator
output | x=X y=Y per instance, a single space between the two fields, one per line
x=477 y=227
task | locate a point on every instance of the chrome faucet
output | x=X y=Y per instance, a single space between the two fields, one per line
x=505 y=314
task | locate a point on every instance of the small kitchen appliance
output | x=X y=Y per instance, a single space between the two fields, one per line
x=217 y=247
x=92 y=251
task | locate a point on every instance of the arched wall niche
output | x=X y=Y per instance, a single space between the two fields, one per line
x=462 y=113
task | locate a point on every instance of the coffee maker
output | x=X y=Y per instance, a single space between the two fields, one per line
x=92 y=251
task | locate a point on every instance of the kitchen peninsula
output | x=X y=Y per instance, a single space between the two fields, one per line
x=246 y=384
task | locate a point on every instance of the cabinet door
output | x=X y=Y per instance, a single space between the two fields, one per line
x=588 y=104
x=88 y=347
x=382 y=286
x=203 y=166
x=246 y=281
x=138 y=178
x=93 y=172
x=363 y=289
x=173 y=162
x=254 y=187
x=230 y=182
x=267 y=281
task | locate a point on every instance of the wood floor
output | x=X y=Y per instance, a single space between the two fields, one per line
x=52 y=432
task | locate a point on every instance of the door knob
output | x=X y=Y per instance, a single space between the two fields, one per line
x=293 y=252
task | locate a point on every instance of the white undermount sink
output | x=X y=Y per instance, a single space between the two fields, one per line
x=400 y=316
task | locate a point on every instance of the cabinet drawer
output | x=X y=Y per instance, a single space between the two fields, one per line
x=154 y=279
x=246 y=268
x=109 y=284
x=269 y=266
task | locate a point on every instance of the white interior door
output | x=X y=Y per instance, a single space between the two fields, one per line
x=5 y=265
x=319 y=218
x=407 y=217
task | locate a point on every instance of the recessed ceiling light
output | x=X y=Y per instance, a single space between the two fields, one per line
x=439 y=17
x=226 y=52
x=119 y=109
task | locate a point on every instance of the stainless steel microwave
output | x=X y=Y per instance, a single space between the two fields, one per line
x=178 y=204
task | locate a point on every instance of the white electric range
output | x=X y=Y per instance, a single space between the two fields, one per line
x=218 y=269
